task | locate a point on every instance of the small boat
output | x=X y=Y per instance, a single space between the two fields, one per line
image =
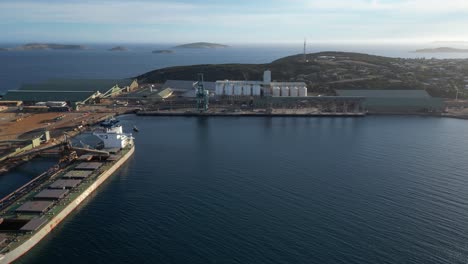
x=135 y=129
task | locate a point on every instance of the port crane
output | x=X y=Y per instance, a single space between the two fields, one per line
x=202 y=94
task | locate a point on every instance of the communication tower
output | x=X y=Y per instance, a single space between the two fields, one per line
x=305 y=47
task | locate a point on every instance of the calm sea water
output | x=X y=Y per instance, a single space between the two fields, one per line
x=258 y=190
x=277 y=190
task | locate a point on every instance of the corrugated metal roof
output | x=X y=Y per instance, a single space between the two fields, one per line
x=88 y=166
x=77 y=174
x=53 y=194
x=165 y=93
x=101 y=85
x=64 y=184
x=385 y=93
x=37 y=96
x=35 y=206
x=34 y=224
x=177 y=85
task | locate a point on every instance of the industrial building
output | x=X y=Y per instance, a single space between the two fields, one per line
x=397 y=101
x=73 y=91
x=185 y=88
x=261 y=88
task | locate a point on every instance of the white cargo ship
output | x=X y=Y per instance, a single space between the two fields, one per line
x=31 y=212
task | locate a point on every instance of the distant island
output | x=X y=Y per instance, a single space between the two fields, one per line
x=3 y=49
x=441 y=50
x=201 y=45
x=454 y=42
x=163 y=51
x=119 y=48
x=46 y=46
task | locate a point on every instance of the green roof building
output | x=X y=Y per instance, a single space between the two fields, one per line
x=73 y=91
x=396 y=101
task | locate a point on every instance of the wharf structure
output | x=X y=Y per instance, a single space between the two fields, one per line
x=74 y=92
x=31 y=212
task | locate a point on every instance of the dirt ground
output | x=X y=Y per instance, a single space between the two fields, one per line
x=22 y=126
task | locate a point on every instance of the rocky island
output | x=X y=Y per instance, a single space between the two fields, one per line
x=47 y=46
x=119 y=48
x=201 y=45
x=442 y=50
x=163 y=51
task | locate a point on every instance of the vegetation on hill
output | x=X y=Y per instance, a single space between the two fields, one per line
x=326 y=72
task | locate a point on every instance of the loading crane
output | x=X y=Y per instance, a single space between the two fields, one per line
x=202 y=94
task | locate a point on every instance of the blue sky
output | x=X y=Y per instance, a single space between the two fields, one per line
x=235 y=21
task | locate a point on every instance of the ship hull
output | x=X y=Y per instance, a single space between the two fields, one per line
x=40 y=234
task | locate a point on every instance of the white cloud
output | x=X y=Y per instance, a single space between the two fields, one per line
x=428 y=6
x=282 y=20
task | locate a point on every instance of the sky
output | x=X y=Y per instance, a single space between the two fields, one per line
x=233 y=21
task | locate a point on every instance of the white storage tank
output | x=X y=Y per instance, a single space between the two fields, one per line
x=267 y=77
x=228 y=89
x=238 y=89
x=276 y=91
x=294 y=92
x=256 y=90
x=284 y=91
x=303 y=91
x=247 y=90
x=219 y=88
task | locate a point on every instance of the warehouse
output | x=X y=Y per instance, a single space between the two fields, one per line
x=185 y=88
x=73 y=91
x=396 y=101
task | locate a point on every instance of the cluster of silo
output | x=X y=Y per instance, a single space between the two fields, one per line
x=289 y=91
x=237 y=88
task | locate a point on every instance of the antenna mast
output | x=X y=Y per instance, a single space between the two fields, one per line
x=305 y=46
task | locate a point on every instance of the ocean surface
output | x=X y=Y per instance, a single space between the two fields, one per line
x=20 y=67
x=277 y=190
x=258 y=190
